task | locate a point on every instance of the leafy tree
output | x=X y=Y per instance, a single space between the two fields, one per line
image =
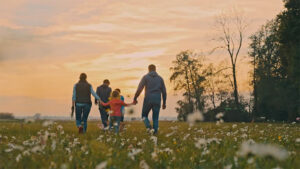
x=275 y=50
x=187 y=77
x=289 y=39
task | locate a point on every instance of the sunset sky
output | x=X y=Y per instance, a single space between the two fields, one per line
x=46 y=44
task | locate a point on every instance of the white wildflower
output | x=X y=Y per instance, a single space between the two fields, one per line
x=70 y=158
x=16 y=147
x=154 y=155
x=8 y=150
x=64 y=166
x=219 y=115
x=168 y=150
x=47 y=123
x=170 y=134
x=186 y=136
x=194 y=117
x=26 y=153
x=244 y=135
x=201 y=142
x=68 y=150
x=234 y=126
x=134 y=152
x=59 y=127
x=18 y=158
x=37 y=149
x=250 y=160
x=144 y=165
x=262 y=150
x=174 y=127
x=228 y=166
x=102 y=165
x=154 y=139
x=53 y=145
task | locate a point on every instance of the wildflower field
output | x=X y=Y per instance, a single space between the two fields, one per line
x=178 y=145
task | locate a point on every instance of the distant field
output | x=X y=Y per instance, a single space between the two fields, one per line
x=204 y=145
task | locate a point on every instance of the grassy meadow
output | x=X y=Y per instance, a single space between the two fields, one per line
x=178 y=145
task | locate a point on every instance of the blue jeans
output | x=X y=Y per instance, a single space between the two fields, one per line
x=104 y=115
x=152 y=102
x=82 y=113
x=115 y=121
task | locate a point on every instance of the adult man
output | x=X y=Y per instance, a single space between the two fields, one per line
x=154 y=89
x=82 y=101
x=104 y=91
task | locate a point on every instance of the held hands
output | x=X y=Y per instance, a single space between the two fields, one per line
x=134 y=102
x=164 y=106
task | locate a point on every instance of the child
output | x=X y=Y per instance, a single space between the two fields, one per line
x=122 y=110
x=115 y=104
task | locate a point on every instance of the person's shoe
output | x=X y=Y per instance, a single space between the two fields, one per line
x=106 y=128
x=80 y=130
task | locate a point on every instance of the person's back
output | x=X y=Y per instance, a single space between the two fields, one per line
x=153 y=84
x=115 y=106
x=81 y=102
x=83 y=92
x=104 y=91
x=154 y=87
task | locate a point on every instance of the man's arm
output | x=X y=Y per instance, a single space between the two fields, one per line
x=164 y=93
x=74 y=95
x=140 y=88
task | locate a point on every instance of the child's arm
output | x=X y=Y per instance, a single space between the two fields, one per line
x=105 y=104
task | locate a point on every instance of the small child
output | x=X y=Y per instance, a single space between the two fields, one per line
x=122 y=110
x=115 y=104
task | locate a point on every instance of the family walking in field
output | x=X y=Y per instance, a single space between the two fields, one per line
x=111 y=103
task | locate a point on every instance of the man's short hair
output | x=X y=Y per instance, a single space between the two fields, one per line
x=82 y=76
x=106 y=81
x=151 y=68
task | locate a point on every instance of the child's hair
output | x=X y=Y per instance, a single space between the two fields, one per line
x=118 y=90
x=115 y=94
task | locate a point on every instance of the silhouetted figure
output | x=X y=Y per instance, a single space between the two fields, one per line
x=82 y=101
x=104 y=92
x=154 y=90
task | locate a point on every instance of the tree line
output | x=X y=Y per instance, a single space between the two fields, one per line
x=275 y=58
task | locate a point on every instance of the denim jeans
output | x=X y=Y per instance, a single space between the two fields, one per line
x=104 y=115
x=115 y=121
x=82 y=112
x=152 y=102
